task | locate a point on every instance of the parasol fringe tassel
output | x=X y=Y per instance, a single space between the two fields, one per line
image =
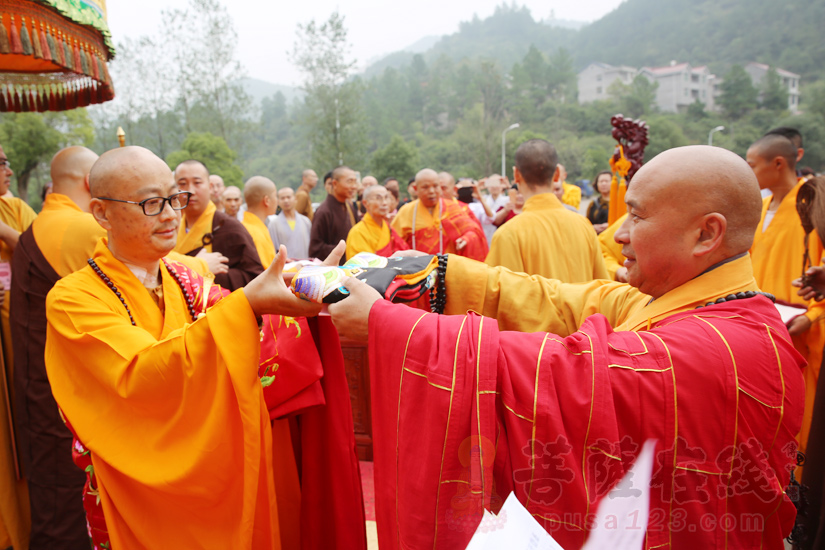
x=25 y=38
x=95 y=69
x=58 y=46
x=24 y=101
x=52 y=98
x=38 y=49
x=84 y=58
x=78 y=65
x=16 y=45
x=44 y=44
x=52 y=45
x=3 y=103
x=44 y=100
x=67 y=54
x=5 y=47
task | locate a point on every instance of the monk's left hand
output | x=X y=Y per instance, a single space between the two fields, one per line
x=798 y=325
x=815 y=287
x=351 y=316
x=268 y=293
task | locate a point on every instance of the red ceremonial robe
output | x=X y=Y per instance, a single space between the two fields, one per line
x=463 y=414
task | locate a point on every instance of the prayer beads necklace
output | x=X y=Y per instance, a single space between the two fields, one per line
x=190 y=303
x=740 y=296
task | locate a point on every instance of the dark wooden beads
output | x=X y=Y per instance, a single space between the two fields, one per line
x=438 y=294
x=112 y=287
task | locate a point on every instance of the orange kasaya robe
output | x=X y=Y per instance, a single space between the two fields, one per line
x=370 y=236
x=611 y=250
x=467 y=409
x=171 y=411
x=436 y=232
x=14 y=499
x=777 y=254
x=261 y=238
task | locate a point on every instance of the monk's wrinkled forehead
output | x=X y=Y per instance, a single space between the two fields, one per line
x=127 y=170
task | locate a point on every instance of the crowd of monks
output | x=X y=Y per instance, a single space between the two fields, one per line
x=164 y=388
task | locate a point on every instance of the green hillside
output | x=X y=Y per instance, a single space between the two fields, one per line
x=719 y=33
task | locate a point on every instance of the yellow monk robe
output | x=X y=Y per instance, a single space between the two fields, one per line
x=572 y=195
x=777 y=260
x=547 y=239
x=611 y=250
x=172 y=411
x=261 y=238
x=193 y=238
x=368 y=236
x=14 y=499
x=436 y=232
x=285 y=469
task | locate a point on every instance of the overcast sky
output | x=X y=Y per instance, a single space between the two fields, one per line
x=266 y=29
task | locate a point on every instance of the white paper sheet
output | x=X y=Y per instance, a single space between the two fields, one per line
x=789 y=312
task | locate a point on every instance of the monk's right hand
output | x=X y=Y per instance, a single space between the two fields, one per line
x=351 y=316
x=268 y=293
x=815 y=284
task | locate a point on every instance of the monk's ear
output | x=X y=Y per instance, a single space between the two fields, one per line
x=517 y=175
x=556 y=174
x=98 y=209
x=712 y=229
x=86 y=185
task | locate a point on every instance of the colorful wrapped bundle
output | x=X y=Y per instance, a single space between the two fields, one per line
x=397 y=279
x=628 y=157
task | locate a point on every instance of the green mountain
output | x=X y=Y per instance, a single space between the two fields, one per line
x=719 y=33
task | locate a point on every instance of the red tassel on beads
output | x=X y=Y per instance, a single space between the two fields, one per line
x=16 y=45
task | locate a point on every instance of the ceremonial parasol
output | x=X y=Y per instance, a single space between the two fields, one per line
x=54 y=54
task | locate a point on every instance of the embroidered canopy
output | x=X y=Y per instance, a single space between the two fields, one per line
x=54 y=54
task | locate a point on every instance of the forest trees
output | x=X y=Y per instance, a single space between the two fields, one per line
x=333 y=117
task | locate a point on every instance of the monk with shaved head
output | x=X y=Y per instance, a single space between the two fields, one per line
x=436 y=224
x=156 y=372
x=778 y=248
x=204 y=230
x=373 y=233
x=553 y=391
x=261 y=198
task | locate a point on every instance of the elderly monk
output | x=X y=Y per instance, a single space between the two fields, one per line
x=545 y=239
x=15 y=217
x=289 y=228
x=261 y=197
x=217 y=187
x=373 y=233
x=336 y=215
x=436 y=225
x=698 y=361
x=162 y=395
x=232 y=199
x=203 y=230
x=778 y=247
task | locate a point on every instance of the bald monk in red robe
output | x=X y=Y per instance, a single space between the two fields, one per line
x=689 y=353
x=435 y=225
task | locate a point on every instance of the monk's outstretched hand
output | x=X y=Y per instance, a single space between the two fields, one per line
x=814 y=283
x=351 y=316
x=337 y=253
x=268 y=293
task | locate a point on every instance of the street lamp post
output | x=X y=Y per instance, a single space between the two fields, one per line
x=710 y=134
x=503 y=138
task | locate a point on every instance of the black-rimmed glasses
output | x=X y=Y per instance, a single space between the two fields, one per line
x=155 y=205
